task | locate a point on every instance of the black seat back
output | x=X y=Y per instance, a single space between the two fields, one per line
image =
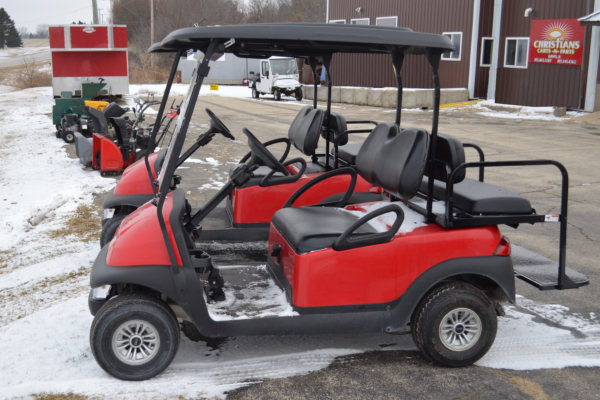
x=98 y=120
x=305 y=129
x=113 y=110
x=449 y=154
x=394 y=159
x=337 y=126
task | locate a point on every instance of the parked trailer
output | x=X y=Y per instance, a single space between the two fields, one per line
x=89 y=53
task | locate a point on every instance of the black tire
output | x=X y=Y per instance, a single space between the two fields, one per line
x=255 y=93
x=277 y=94
x=68 y=136
x=110 y=228
x=299 y=94
x=127 y=308
x=436 y=307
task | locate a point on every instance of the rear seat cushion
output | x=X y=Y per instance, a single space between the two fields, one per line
x=309 y=229
x=450 y=151
x=348 y=152
x=338 y=126
x=481 y=198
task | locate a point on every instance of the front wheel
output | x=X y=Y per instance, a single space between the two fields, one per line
x=277 y=94
x=299 y=94
x=110 y=228
x=255 y=93
x=68 y=136
x=454 y=325
x=134 y=337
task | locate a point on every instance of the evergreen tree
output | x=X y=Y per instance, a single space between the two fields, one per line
x=9 y=36
x=13 y=39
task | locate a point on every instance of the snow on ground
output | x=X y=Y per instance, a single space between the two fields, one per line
x=21 y=51
x=45 y=322
x=489 y=108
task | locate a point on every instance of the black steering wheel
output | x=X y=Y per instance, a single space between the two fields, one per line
x=260 y=152
x=219 y=125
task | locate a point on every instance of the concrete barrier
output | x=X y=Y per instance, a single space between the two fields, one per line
x=386 y=97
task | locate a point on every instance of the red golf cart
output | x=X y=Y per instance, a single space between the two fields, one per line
x=430 y=256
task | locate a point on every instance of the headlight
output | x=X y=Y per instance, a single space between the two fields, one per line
x=101 y=293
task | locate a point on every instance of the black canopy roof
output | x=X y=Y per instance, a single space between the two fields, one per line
x=303 y=40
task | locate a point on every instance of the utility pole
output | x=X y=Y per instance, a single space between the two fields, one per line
x=95 y=10
x=151 y=31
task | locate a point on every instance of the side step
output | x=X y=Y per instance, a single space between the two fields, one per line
x=541 y=272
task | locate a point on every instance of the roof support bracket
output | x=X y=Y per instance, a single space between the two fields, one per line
x=397 y=61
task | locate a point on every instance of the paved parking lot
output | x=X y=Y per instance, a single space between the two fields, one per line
x=406 y=374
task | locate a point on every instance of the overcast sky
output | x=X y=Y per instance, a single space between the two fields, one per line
x=30 y=13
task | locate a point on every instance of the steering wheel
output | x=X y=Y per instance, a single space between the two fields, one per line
x=260 y=151
x=219 y=125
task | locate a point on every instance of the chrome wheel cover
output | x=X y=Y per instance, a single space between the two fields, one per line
x=460 y=329
x=135 y=342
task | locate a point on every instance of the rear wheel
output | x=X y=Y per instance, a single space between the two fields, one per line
x=299 y=94
x=110 y=228
x=68 y=136
x=454 y=325
x=255 y=93
x=134 y=337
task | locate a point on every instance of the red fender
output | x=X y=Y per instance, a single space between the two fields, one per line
x=135 y=178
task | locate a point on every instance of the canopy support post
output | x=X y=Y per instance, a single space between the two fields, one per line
x=159 y=116
x=326 y=65
x=433 y=56
x=397 y=61
x=312 y=62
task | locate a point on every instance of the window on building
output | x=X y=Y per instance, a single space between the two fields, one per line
x=337 y=21
x=387 y=21
x=360 y=21
x=487 y=51
x=456 y=39
x=517 y=52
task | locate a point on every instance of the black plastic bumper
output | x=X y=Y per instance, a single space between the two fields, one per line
x=95 y=305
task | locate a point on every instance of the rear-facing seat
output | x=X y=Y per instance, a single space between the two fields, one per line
x=388 y=158
x=470 y=195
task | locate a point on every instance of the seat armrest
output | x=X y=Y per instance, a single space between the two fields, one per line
x=345 y=242
x=269 y=181
x=321 y=178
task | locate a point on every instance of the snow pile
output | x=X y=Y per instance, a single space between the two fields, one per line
x=489 y=108
x=22 y=51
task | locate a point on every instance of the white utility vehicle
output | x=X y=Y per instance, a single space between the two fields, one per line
x=277 y=76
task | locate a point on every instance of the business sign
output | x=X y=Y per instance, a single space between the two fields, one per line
x=556 y=41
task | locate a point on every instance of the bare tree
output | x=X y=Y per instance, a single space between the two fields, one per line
x=41 y=31
x=23 y=32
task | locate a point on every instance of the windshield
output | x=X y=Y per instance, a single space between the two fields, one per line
x=180 y=118
x=285 y=66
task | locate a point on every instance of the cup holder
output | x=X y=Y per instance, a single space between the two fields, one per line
x=201 y=261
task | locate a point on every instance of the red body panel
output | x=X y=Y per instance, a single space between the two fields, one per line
x=120 y=37
x=378 y=273
x=126 y=249
x=135 y=178
x=111 y=158
x=86 y=37
x=89 y=63
x=57 y=37
x=257 y=204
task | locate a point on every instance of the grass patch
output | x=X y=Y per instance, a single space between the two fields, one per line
x=85 y=224
x=28 y=75
x=59 y=396
x=4 y=258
